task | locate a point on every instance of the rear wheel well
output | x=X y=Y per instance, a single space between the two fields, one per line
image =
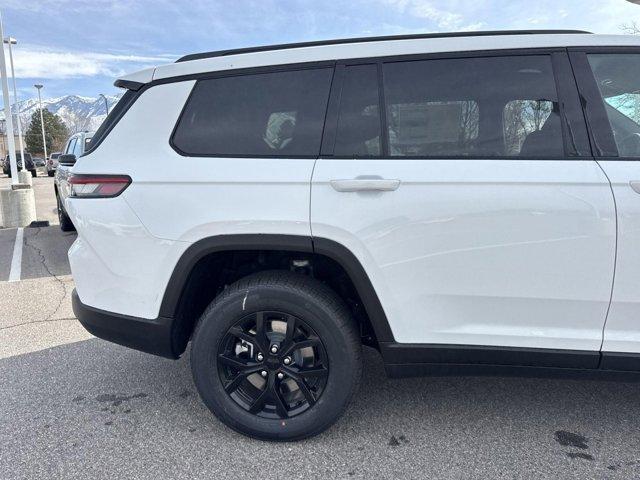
x=216 y=271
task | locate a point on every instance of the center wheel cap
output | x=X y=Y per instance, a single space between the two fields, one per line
x=273 y=363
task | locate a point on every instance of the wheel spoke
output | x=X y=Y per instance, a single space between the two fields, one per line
x=235 y=383
x=309 y=342
x=258 y=404
x=305 y=390
x=291 y=330
x=275 y=397
x=261 y=332
x=237 y=363
x=314 y=372
x=242 y=335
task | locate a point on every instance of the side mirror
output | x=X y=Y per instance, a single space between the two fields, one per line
x=68 y=159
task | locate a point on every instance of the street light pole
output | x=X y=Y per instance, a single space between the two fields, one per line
x=44 y=139
x=7 y=111
x=10 y=41
x=106 y=104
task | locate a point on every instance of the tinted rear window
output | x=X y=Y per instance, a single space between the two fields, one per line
x=485 y=106
x=269 y=114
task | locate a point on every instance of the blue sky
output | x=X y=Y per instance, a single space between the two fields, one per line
x=80 y=46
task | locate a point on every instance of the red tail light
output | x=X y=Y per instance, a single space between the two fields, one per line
x=98 y=186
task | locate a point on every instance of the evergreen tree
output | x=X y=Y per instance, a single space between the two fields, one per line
x=56 y=133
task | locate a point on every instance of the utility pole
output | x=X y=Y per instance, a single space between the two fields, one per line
x=17 y=203
x=10 y=41
x=7 y=110
x=44 y=139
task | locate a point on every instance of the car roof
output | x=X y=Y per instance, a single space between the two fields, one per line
x=85 y=134
x=371 y=47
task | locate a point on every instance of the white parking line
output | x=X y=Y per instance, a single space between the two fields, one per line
x=16 y=260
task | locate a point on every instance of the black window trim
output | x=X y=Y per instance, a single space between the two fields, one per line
x=593 y=104
x=563 y=84
x=333 y=112
x=577 y=141
x=247 y=72
x=329 y=127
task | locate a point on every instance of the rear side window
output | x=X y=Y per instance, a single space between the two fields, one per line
x=269 y=114
x=116 y=113
x=485 y=107
x=358 y=133
x=618 y=79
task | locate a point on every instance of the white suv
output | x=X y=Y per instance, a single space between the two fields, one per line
x=451 y=200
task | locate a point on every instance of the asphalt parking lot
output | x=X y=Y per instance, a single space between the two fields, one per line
x=73 y=406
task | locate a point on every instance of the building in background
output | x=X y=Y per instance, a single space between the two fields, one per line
x=4 y=149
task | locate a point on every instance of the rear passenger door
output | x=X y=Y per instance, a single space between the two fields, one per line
x=609 y=80
x=466 y=189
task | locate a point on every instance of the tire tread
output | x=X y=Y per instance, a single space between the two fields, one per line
x=299 y=284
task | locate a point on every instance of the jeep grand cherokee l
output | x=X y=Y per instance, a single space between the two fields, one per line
x=451 y=200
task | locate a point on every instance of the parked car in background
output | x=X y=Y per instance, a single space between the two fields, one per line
x=74 y=148
x=40 y=164
x=52 y=163
x=28 y=164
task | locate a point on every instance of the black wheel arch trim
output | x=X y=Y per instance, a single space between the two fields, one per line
x=298 y=243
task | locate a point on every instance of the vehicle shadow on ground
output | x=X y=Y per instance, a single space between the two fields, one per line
x=92 y=398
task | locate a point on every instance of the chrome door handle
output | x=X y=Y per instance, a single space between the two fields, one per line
x=365 y=185
x=635 y=184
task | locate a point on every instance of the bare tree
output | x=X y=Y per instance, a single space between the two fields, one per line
x=631 y=28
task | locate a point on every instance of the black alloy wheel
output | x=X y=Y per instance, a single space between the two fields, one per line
x=277 y=356
x=273 y=365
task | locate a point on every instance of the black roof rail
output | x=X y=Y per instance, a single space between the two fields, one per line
x=264 y=48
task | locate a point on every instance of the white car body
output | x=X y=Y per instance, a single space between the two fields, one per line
x=475 y=252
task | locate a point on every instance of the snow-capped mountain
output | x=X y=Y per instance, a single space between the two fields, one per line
x=78 y=113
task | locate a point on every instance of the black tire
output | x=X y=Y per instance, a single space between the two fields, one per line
x=51 y=174
x=313 y=305
x=34 y=173
x=66 y=225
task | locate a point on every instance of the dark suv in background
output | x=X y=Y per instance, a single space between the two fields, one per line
x=28 y=164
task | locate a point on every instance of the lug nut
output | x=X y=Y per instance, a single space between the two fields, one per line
x=260 y=357
x=264 y=373
x=274 y=349
x=280 y=375
x=287 y=360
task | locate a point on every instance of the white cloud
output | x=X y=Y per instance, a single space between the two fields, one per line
x=446 y=19
x=41 y=62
